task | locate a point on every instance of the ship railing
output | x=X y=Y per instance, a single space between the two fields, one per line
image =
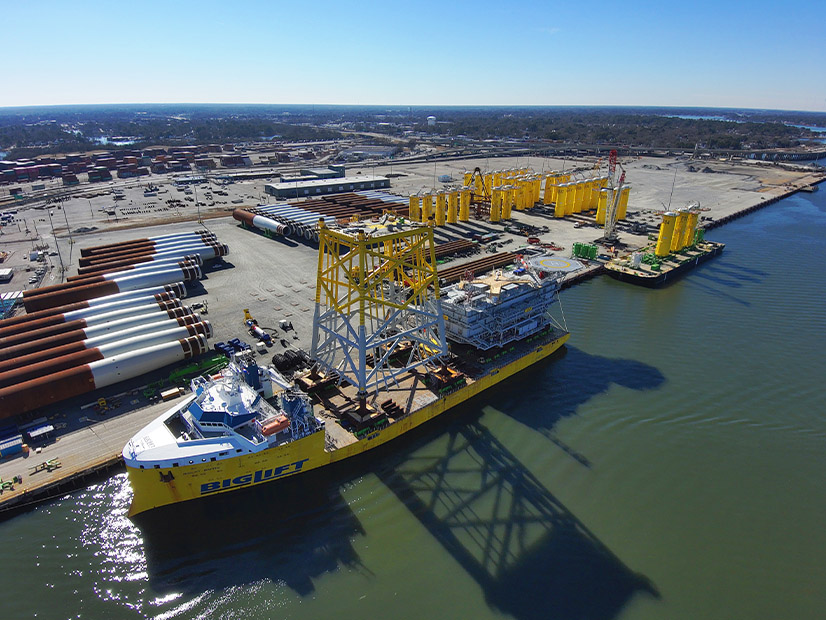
x=199 y=441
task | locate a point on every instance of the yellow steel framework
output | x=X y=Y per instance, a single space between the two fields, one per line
x=377 y=300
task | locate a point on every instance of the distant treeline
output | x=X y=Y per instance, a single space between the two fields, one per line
x=614 y=127
x=28 y=137
x=25 y=132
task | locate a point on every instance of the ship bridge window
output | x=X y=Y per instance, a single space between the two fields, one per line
x=157 y=466
x=174 y=464
x=212 y=458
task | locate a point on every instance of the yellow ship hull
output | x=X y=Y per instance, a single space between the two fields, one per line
x=153 y=488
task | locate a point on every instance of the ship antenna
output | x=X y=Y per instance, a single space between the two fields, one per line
x=673 y=182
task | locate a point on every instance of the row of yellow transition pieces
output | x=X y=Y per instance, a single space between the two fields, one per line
x=518 y=190
x=676 y=231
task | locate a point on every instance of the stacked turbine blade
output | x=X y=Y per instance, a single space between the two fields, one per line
x=120 y=317
x=64 y=351
x=118 y=268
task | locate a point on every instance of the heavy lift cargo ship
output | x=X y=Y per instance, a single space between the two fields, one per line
x=380 y=367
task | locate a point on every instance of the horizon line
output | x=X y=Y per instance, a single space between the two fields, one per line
x=416 y=105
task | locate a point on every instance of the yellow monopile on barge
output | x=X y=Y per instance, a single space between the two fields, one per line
x=680 y=246
x=380 y=367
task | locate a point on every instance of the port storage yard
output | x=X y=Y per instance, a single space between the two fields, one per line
x=274 y=277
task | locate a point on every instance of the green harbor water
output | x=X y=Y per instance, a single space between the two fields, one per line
x=669 y=463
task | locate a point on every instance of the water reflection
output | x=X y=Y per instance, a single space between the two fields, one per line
x=559 y=389
x=287 y=533
x=740 y=272
x=531 y=555
x=720 y=274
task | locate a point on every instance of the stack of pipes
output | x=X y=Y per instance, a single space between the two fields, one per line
x=284 y=219
x=198 y=246
x=107 y=284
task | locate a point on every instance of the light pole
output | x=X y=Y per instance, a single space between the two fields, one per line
x=68 y=228
x=57 y=245
x=197 y=204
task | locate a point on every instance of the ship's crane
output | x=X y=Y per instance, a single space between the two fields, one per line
x=610 y=234
x=528 y=268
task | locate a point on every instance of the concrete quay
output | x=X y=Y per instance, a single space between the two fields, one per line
x=72 y=459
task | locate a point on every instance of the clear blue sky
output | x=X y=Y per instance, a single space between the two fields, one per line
x=753 y=54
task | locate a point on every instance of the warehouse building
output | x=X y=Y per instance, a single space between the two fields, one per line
x=312 y=174
x=315 y=187
x=368 y=152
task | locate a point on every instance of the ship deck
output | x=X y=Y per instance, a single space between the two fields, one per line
x=339 y=407
x=342 y=404
x=668 y=263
